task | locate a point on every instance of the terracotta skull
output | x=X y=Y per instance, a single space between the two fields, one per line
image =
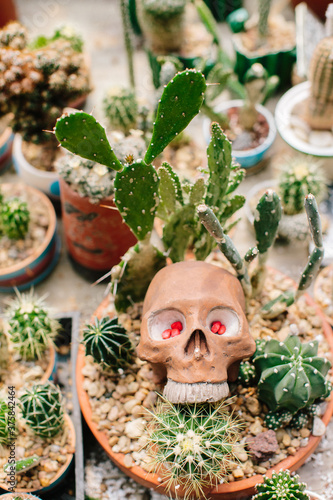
x=185 y=303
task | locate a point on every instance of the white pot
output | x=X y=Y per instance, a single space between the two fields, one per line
x=250 y=157
x=45 y=181
x=314 y=496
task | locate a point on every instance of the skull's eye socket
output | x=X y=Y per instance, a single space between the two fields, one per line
x=166 y=324
x=223 y=321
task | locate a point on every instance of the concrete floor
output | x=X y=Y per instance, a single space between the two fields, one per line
x=100 y=25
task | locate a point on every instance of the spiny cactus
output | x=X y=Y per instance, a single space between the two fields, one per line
x=247 y=373
x=108 y=343
x=300 y=420
x=36 y=84
x=65 y=32
x=193 y=443
x=277 y=419
x=15 y=218
x=281 y=486
x=292 y=375
x=42 y=409
x=31 y=328
x=121 y=109
x=300 y=176
x=264 y=8
x=3 y=348
x=319 y=113
x=278 y=305
x=4 y=431
x=23 y=465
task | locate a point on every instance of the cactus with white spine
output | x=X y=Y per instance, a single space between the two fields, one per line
x=281 y=486
x=264 y=8
x=108 y=343
x=4 y=431
x=277 y=419
x=292 y=374
x=121 y=109
x=42 y=409
x=181 y=440
x=31 y=327
x=14 y=218
x=278 y=305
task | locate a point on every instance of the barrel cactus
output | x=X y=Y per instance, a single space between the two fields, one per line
x=277 y=419
x=31 y=327
x=108 y=343
x=281 y=486
x=42 y=409
x=292 y=375
x=121 y=109
x=15 y=217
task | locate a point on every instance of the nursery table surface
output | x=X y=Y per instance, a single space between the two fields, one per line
x=100 y=25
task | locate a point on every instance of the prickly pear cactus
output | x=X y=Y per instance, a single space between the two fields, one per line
x=136 y=197
x=179 y=104
x=15 y=218
x=108 y=343
x=121 y=109
x=81 y=134
x=292 y=375
x=42 y=409
x=281 y=486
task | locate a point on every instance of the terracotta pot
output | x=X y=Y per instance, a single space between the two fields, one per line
x=232 y=491
x=96 y=236
x=7 y=12
x=322 y=276
x=6 y=143
x=39 y=265
x=24 y=496
x=62 y=472
x=318 y=7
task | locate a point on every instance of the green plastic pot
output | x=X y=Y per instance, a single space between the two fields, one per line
x=222 y=8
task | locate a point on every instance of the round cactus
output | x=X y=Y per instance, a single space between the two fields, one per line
x=281 y=486
x=300 y=176
x=42 y=409
x=108 y=343
x=300 y=420
x=277 y=419
x=31 y=328
x=194 y=443
x=15 y=218
x=247 y=373
x=292 y=375
x=121 y=109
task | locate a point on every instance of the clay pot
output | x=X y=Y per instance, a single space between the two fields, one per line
x=325 y=274
x=24 y=496
x=39 y=265
x=232 y=491
x=7 y=12
x=62 y=472
x=6 y=143
x=96 y=235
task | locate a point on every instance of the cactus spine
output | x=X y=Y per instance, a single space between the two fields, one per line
x=15 y=218
x=31 y=328
x=108 y=343
x=319 y=112
x=42 y=409
x=4 y=431
x=121 y=109
x=280 y=487
x=194 y=443
x=292 y=375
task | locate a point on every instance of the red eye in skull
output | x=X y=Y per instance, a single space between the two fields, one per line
x=174 y=331
x=217 y=327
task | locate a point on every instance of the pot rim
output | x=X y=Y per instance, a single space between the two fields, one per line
x=5 y=136
x=62 y=469
x=315 y=292
x=225 y=105
x=284 y=107
x=36 y=172
x=229 y=491
x=239 y=47
x=48 y=236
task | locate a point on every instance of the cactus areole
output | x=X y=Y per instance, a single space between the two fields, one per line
x=191 y=299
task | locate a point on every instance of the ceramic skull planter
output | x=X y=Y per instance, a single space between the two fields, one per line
x=194 y=331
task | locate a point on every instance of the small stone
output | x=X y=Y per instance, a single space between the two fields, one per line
x=256 y=428
x=261 y=470
x=295 y=443
x=318 y=428
x=113 y=414
x=286 y=440
x=113 y=440
x=304 y=442
x=132 y=388
x=128 y=461
x=51 y=466
x=240 y=453
x=291 y=450
x=253 y=405
x=263 y=446
x=135 y=428
x=238 y=473
x=305 y=432
x=129 y=405
x=321 y=138
x=124 y=444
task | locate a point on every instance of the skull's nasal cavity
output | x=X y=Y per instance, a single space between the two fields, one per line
x=197 y=345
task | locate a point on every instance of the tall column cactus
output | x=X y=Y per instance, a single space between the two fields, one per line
x=127 y=40
x=264 y=8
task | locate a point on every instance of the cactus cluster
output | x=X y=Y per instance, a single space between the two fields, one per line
x=108 y=343
x=36 y=84
x=121 y=109
x=195 y=444
x=14 y=218
x=4 y=431
x=281 y=486
x=3 y=348
x=42 y=409
x=292 y=376
x=300 y=176
x=31 y=327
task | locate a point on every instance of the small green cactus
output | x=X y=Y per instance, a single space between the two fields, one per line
x=24 y=464
x=42 y=409
x=3 y=348
x=31 y=328
x=277 y=419
x=300 y=420
x=121 y=109
x=4 y=431
x=300 y=176
x=264 y=8
x=108 y=343
x=292 y=375
x=281 y=486
x=194 y=444
x=15 y=218
x=247 y=373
